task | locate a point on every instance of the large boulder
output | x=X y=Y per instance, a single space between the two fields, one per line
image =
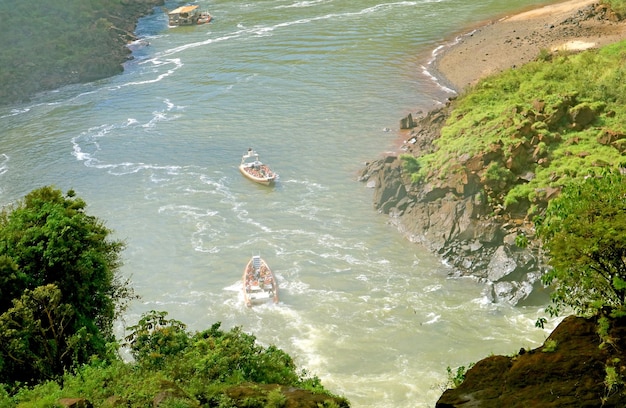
x=569 y=370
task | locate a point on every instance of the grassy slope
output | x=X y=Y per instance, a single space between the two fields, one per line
x=535 y=107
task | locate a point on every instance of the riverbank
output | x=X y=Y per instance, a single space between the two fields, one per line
x=458 y=210
x=45 y=48
x=512 y=41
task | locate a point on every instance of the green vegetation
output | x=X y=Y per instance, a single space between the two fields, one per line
x=604 y=331
x=47 y=45
x=584 y=232
x=557 y=119
x=208 y=368
x=233 y=357
x=456 y=378
x=618 y=6
x=60 y=291
x=550 y=346
x=613 y=381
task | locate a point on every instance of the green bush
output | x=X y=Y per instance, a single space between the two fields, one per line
x=155 y=339
x=199 y=370
x=584 y=233
x=60 y=287
x=276 y=399
x=456 y=378
x=550 y=346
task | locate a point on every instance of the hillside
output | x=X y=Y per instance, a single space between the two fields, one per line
x=64 y=42
x=533 y=116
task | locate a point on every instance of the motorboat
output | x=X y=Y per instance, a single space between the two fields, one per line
x=259 y=283
x=252 y=168
x=188 y=15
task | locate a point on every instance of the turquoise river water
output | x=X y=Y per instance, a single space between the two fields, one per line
x=318 y=88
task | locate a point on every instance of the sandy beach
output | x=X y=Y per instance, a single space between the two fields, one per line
x=512 y=41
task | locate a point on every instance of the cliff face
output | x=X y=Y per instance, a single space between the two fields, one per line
x=575 y=367
x=453 y=219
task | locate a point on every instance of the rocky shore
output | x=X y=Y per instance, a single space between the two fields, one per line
x=449 y=218
x=577 y=366
x=581 y=363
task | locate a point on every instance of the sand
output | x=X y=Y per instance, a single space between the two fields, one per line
x=512 y=41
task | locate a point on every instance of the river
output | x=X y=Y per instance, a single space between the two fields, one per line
x=317 y=88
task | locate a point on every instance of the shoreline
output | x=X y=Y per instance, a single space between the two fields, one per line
x=511 y=41
x=443 y=215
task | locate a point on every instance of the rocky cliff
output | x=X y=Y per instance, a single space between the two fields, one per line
x=462 y=212
x=453 y=219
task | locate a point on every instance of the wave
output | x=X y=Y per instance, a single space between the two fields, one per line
x=302 y=4
x=430 y=71
x=4 y=163
x=88 y=144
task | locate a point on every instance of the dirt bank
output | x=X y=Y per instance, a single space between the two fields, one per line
x=515 y=40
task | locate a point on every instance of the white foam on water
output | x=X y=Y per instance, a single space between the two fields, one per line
x=4 y=163
x=15 y=112
x=303 y=4
x=432 y=288
x=433 y=318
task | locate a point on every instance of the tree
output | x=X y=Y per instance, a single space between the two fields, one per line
x=48 y=239
x=584 y=233
x=33 y=338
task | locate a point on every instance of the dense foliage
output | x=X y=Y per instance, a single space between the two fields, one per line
x=548 y=122
x=229 y=357
x=56 y=42
x=183 y=369
x=59 y=286
x=584 y=232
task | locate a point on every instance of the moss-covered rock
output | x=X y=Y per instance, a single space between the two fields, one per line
x=575 y=367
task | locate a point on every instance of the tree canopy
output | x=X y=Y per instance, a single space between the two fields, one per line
x=213 y=355
x=60 y=290
x=584 y=232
